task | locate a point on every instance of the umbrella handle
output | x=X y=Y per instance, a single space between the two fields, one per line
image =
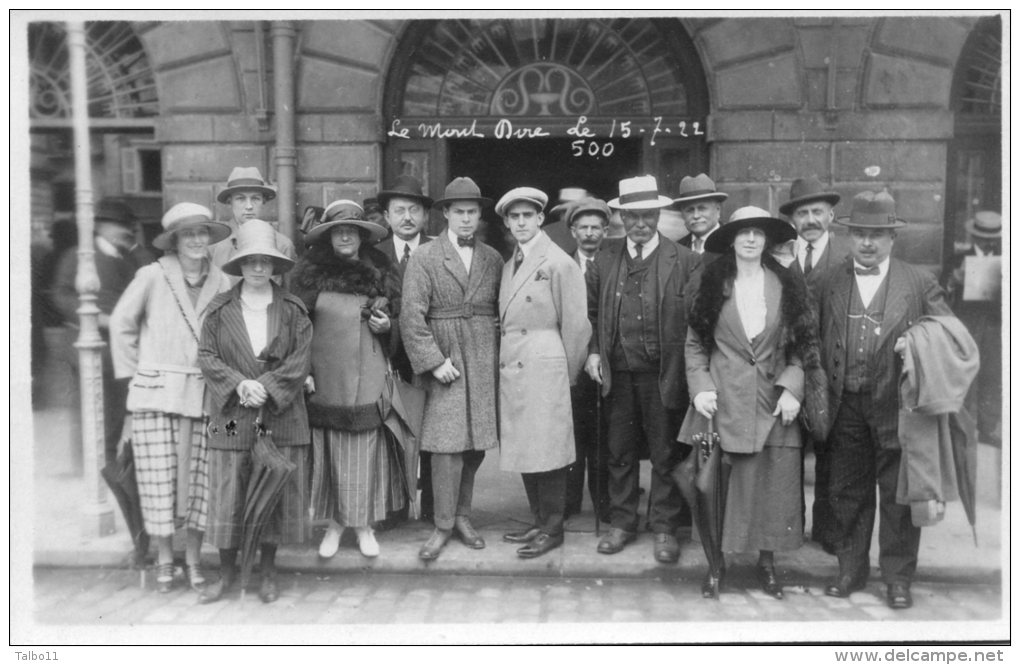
x=260 y=426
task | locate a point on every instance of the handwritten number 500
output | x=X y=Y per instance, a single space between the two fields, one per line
x=593 y=149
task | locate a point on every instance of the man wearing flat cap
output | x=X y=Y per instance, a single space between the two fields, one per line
x=700 y=205
x=246 y=192
x=588 y=221
x=448 y=323
x=117 y=257
x=544 y=325
x=866 y=306
x=636 y=307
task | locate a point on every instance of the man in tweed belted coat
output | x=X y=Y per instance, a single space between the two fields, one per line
x=449 y=327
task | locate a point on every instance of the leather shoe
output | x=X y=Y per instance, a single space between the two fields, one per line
x=467 y=534
x=615 y=541
x=213 y=592
x=769 y=582
x=542 y=543
x=431 y=549
x=269 y=591
x=898 y=596
x=843 y=587
x=525 y=536
x=712 y=583
x=666 y=549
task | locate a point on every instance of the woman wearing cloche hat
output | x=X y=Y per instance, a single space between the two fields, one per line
x=751 y=328
x=254 y=355
x=154 y=336
x=352 y=291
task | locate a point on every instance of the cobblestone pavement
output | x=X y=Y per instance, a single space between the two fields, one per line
x=114 y=598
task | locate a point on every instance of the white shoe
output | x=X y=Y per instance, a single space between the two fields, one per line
x=331 y=541
x=367 y=542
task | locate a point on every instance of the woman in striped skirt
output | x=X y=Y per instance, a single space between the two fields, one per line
x=254 y=355
x=353 y=292
x=154 y=332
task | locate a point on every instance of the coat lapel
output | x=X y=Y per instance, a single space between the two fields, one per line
x=233 y=320
x=896 y=300
x=172 y=270
x=729 y=320
x=839 y=300
x=452 y=262
x=666 y=265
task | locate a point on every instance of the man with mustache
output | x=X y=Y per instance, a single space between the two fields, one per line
x=700 y=205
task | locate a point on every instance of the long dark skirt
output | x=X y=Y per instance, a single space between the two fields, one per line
x=763 y=502
x=356 y=478
x=229 y=473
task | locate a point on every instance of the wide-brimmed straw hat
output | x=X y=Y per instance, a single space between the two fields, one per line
x=698 y=188
x=246 y=178
x=536 y=197
x=257 y=238
x=405 y=187
x=873 y=210
x=806 y=190
x=775 y=229
x=463 y=189
x=185 y=216
x=640 y=193
x=344 y=211
x=985 y=224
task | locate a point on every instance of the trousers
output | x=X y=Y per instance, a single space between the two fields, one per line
x=453 y=485
x=546 y=492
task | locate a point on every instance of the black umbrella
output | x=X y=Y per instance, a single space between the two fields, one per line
x=964 y=442
x=702 y=479
x=271 y=471
x=403 y=414
x=119 y=474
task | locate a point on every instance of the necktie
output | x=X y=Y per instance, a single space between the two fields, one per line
x=407 y=254
x=807 y=259
x=637 y=251
x=466 y=242
x=873 y=270
x=518 y=260
x=697 y=244
x=588 y=264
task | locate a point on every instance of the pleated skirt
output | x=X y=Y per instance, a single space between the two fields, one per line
x=356 y=477
x=229 y=474
x=156 y=438
x=763 y=502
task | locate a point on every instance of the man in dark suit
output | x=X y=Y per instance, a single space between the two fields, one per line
x=816 y=251
x=866 y=306
x=587 y=220
x=700 y=205
x=406 y=209
x=636 y=306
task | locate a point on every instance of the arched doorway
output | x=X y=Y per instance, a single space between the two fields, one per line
x=552 y=103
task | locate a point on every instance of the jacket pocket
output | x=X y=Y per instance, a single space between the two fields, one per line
x=148 y=379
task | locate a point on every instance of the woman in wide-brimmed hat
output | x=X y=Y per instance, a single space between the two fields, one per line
x=751 y=328
x=154 y=334
x=352 y=291
x=255 y=357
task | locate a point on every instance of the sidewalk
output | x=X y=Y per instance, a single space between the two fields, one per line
x=948 y=553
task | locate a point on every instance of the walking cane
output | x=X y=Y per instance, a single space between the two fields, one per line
x=598 y=462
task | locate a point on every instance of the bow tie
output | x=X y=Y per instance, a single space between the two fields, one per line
x=873 y=270
x=466 y=242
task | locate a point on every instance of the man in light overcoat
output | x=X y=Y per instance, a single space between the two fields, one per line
x=545 y=331
x=450 y=332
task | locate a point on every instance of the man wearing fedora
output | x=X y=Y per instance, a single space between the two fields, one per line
x=816 y=251
x=117 y=257
x=448 y=322
x=866 y=306
x=636 y=307
x=246 y=192
x=811 y=209
x=982 y=313
x=544 y=325
x=588 y=222
x=405 y=209
x=700 y=205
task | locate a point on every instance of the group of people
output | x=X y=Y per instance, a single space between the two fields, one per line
x=230 y=333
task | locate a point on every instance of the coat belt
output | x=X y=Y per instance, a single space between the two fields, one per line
x=464 y=311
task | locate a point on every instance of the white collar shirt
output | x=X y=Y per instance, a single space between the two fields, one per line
x=646 y=248
x=466 y=253
x=817 y=249
x=398 y=246
x=867 y=285
x=698 y=244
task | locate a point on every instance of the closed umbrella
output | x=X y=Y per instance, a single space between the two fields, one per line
x=119 y=474
x=271 y=471
x=965 y=460
x=402 y=415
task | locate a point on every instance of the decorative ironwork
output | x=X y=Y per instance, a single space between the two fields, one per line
x=120 y=81
x=558 y=67
x=982 y=87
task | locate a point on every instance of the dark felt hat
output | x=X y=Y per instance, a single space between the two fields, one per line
x=806 y=190
x=873 y=210
x=463 y=189
x=405 y=187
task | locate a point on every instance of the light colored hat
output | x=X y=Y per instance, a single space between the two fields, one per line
x=187 y=215
x=463 y=189
x=775 y=229
x=873 y=210
x=986 y=224
x=640 y=193
x=343 y=211
x=531 y=195
x=246 y=178
x=698 y=188
x=257 y=238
